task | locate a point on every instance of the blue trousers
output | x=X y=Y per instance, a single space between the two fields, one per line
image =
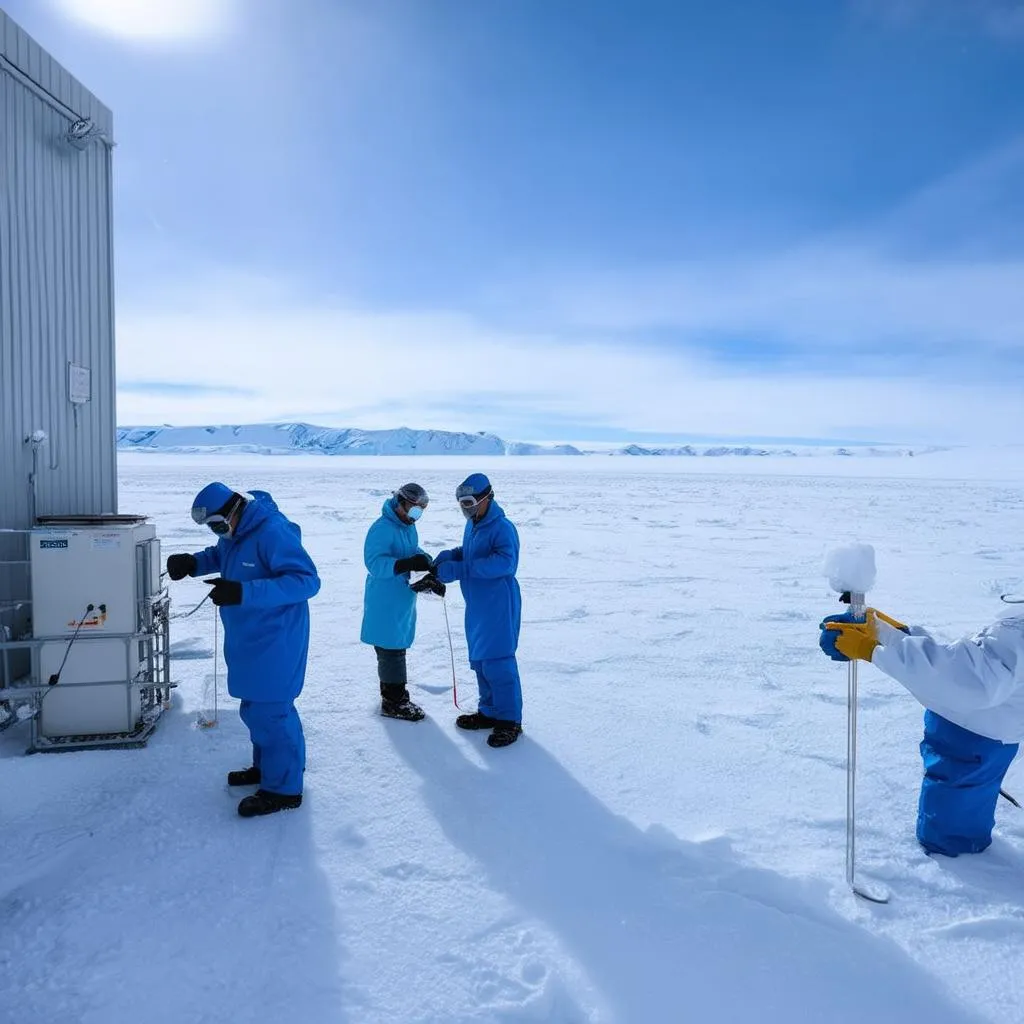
x=278 y=746
x=962 y=775
x=500 y=691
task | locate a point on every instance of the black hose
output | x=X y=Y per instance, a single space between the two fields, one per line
x=55 y=678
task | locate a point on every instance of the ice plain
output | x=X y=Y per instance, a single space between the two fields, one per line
x=666 y=842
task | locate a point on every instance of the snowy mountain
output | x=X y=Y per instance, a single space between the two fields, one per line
x=292 y=438
x=305 y=438
x=719 y=450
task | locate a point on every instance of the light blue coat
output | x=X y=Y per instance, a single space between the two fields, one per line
x=389 y=606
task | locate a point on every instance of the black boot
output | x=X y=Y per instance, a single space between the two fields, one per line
x=395 y=703
x=505 y=733
x=477 y=720
x=245 y=777
x=265 y=802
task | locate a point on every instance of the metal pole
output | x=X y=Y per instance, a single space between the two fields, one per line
x=857 y=610
x=216 y=659
x=451 y=652
x=851 y=770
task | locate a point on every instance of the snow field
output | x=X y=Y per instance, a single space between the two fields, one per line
x=665 y=843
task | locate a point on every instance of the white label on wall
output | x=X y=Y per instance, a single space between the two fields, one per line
x=79 y=384
x=106 y=543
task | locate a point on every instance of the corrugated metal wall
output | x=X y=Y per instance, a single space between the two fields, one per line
x=56 y=295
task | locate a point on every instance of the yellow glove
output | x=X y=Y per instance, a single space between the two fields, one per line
x=856 y=640
x=895 y=623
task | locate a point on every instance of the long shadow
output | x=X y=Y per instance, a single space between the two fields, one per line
x=666 y=930
x=146 y=897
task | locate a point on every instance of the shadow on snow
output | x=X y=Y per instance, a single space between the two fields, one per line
x=665 y=929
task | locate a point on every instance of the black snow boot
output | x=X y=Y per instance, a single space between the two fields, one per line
x=476 y=721
x=395 y=703
x=265 y=802
x=245 y=777
x=504 y=734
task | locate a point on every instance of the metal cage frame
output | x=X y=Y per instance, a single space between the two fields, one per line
x=152 y=679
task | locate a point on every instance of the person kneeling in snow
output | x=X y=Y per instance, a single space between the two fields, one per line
x=485 y=567
x=266 y=580
x=973 y=693
x=391 y=551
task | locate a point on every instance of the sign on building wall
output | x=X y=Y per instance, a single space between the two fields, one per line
x=79 y=384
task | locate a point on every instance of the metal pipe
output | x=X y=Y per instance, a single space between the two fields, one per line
x=33 y=477
x=8 y=693
x=858 y=611
x=47 y=97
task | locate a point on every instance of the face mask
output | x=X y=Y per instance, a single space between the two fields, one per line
x=414 y=513
x=471 y=506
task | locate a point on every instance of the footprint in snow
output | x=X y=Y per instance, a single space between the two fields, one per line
x=491 y=986
x=433 y=687
x=404 y=870
x=350 y=836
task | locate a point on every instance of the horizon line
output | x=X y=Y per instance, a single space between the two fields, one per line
x=627 y=437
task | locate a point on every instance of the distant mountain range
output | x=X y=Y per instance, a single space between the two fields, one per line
x=304 y=438
x=299 y=438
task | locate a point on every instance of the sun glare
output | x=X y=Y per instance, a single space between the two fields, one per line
x=153 y=20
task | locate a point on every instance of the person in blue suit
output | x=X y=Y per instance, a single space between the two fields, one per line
x=263 y=590
x=391 y=552
x=485 y=566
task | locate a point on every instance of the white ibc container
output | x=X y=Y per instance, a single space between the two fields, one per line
x=114 y=566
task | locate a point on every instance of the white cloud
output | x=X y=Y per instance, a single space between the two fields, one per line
x=153 y=20
x=821 y=296
x=436 y=369
x=1002 y=18
x=943 y=269
x=865 y=338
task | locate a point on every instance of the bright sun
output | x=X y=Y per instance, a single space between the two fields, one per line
x=152 y=19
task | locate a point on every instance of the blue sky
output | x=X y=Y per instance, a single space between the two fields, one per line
x=566 y=219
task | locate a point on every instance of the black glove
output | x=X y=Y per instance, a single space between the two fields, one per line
x=225 y=592
x=429 y=584
x=414 y=563
x=180 y=566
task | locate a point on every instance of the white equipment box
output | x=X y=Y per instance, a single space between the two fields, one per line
x=94 y=581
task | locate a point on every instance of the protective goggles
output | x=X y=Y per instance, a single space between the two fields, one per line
x=470 y=501
x=219 y=522
x=413 y=500
x=219 y=525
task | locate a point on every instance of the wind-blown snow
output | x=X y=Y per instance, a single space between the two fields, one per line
x=665 y=843
x=851 y=568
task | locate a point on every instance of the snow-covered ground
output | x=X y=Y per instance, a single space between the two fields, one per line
x=664 y=844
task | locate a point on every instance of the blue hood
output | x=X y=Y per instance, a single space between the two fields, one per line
x=256 y=511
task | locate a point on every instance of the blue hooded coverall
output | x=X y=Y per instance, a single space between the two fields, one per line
x=266 y=637
x=485 y=566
